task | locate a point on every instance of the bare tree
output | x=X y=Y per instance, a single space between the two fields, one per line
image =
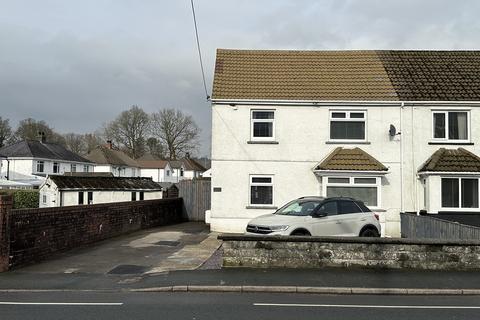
x=155 y=148
x=92 y=140
x=176 y=130
x=76 y=143
x=129 y=130
x=5 y=132
x=28 y=129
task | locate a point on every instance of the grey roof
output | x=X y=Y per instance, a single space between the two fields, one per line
x=105 y=183
x=37 y=149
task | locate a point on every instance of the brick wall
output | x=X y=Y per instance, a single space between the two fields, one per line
x=36 y=234
x=380 y=253
x=6 y=204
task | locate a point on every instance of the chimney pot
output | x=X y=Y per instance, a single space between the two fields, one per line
x=41 y=137
x=109 y=144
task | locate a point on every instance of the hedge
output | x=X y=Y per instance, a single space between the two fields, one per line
x=23 y=198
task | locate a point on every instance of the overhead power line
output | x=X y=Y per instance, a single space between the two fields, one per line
x=199 y=50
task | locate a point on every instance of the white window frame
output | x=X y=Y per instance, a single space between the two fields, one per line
x=351 y=183
x=56 y=164
x=446 y=139
x=459 y=208
x=253 y=184
x=252 y=121
x=85 y=168
x=42 y=163
x=347 y=119
x=73 y=167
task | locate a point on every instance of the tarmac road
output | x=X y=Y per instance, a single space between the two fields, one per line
x=130 y=305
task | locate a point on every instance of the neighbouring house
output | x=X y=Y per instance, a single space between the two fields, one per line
x=60 y=191
x=26 y=163
x=397 y=129
x=170 y=170
x=108 y=159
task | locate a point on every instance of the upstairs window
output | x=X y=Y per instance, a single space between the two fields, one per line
x=263 y=125
x=347 y=125
x=85 y=168
x=181 y=172
x=261 y=190
x=73 y=168
x=40 y=166
x=451 y=125
x=168 y=173
x=56 y=167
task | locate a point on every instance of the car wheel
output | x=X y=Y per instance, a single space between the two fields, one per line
x=304 y=233
x=369 y=232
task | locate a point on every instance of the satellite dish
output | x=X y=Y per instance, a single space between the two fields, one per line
x=393 y=131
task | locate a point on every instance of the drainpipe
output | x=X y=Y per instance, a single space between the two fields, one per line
x=401 y=157
x=8 y=168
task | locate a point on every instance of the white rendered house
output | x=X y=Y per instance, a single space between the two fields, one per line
x=27 y=163
x=364 y=124
x=60 y=191
x=170 y=170
x=108 y=159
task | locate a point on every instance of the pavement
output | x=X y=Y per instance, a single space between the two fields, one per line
x=187 y=258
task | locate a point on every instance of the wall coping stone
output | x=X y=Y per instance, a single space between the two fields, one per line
x=400 y=241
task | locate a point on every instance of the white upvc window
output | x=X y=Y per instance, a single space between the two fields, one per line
x=261 y=190
x=73 y=167
x=56 y=167
x=40 y=166
x=85 y=168
x=262 y=125
x=451 y=126
x=367 y=189
x=348 y=125
x=461 y=193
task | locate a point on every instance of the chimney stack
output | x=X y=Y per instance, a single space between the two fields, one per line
x=187 y=155
x=109 y=144
x=41 y=137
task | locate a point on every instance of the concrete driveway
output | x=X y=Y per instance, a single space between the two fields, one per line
x=183 y=246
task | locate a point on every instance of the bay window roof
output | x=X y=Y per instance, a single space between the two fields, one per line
x=350 y=160
x=452 y=160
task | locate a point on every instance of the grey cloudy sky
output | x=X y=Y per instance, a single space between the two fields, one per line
x=77 y=64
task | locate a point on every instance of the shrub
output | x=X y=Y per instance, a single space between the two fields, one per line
x=23 y=198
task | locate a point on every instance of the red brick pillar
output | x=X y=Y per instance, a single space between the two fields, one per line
x=6 y=204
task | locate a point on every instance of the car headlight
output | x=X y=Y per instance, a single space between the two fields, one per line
x=279 y=228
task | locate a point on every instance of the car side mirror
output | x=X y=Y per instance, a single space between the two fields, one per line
x=319 y=214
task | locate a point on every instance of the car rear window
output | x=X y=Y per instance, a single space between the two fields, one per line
x=363 y=206
x=345 y=207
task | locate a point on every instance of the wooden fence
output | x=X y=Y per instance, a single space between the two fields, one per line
x=428 y=227
x=196 y=198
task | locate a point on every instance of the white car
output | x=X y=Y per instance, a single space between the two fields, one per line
x=318 y=216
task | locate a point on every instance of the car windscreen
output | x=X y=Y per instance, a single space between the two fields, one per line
x=298 y=208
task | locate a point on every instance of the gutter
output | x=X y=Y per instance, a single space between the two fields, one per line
x=439 y=173
x=325 y=172
x=336 y=102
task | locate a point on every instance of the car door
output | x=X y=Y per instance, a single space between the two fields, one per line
x=350 y=217
x=329 y=224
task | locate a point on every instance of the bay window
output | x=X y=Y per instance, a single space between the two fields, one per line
x=460 y=193
x=366 y=189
